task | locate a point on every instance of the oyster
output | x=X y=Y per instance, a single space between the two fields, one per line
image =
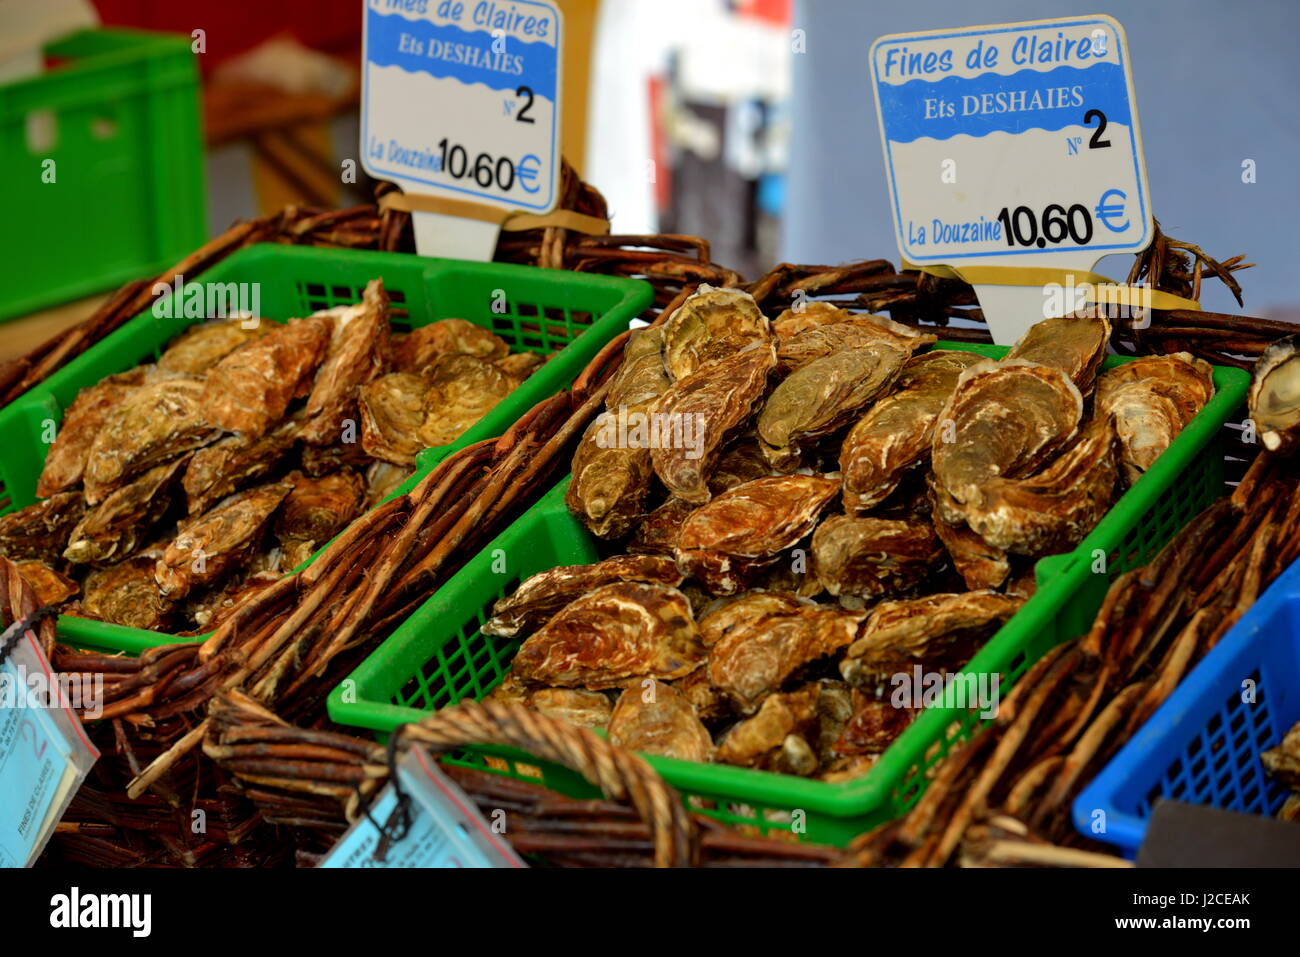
x=1053 y=510
x=126 y=594
x=1283 y=761
x=760 y=655
x=709 y=703
x=383 y=479
x=875 y=725
x=1150 y=401
x=807 y=315
x=51 y=587
x=201 y=347
x=716 y=401
x=421 y=347
x=871 y=557
x=659 y=532
x=1274 y=398
x=65 y=463
x=216 y=605
x=356 y=355
x=652 y=717
x=759 y=741
x=612 y=634
x=726 y=542
x=727 y=614
x=1004 y=420
x=520 y=365
x=610 y=481
x=586 y=709
x=392 y=415
x=315 y=511
x=940 y=631
x=979 y=563
x=538 y=598
x=827 y=394
x=234 y=462
x=320 y=460
x=113 y=529
x=1074 y=344
x=250 y=389
x=896 y=433
x=162 y=418
x=642 y=376
x=855 y=332
x=741 y=462
x=40 y=531
x=710 y=325
x=462 y=389
x=511 y=690
x=207 y=546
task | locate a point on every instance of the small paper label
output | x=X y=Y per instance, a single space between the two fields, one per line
x=44 y=753
x=445 y=828
x=1012 y=142
x=461 y=99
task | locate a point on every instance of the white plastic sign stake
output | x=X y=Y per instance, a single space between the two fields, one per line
x=1013 y=145
x=445 y=828
x=460 y=100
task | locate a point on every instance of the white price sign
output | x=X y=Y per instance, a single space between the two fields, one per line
x=1014 y=144
x=460 y=100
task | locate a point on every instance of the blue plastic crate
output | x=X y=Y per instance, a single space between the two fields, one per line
x=1203 y=744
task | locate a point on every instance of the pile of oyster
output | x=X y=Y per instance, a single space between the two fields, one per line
x=812 y=509
x=173 y=491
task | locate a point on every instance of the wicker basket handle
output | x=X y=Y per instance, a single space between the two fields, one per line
x=618 y=773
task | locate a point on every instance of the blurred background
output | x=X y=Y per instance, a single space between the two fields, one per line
x=750 y=123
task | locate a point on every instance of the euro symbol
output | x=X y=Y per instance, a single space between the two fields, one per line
x=1107 y=211
x=527 y=169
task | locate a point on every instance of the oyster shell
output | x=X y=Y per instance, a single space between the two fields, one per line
x=157 y=421
x=709 y=703
x=652 y=717
x=382 y=479
x=760 y=655
x=757 y=742
x=216 y=605
x=520 y=365
x=712 y=324
x=421 y=347
x=586 y=709
x=65 y=463
x=941 y=632
x=980 y=565
x=356 y=355
x=726 y=542
x=540 y=597
x=207 y=546
x=609 y=485
x=659 y=532
x=113 y=529
x=51 y=587
x=1150 y=401
x=1053 y=510
x=827 y=394
x=871 y=557
x=741 y=462
x=320 y=460
x=462 y=389
x=201 y=347
x=896 y=433
x=642 y=376
x=614 y=633
x=315 y=511
x=392 y=415
x=875 y=725
x=1274 y=398
x=126 y=594
x=40 y=531
x=1283 y=761
x=1074 y=344
x=808 y=315
x=250 y=389
x=1004 y=420
x=719 y=397
x=725 y=615
x=234 y=462
x=855 y=332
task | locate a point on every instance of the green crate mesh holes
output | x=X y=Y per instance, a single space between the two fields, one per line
x=540 y=329
x=315 y=296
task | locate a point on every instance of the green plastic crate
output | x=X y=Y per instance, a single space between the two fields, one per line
x=120 y=120
x=439 y=656
x=536 y=310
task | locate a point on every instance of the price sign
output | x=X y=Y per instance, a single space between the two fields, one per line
x=1015 y=145
x=460 y=100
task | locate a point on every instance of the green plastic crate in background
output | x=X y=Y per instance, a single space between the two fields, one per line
x=439 y=655
x=535 y=310
x=118 y=114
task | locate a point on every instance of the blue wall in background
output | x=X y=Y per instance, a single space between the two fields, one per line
x=1217 y=81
